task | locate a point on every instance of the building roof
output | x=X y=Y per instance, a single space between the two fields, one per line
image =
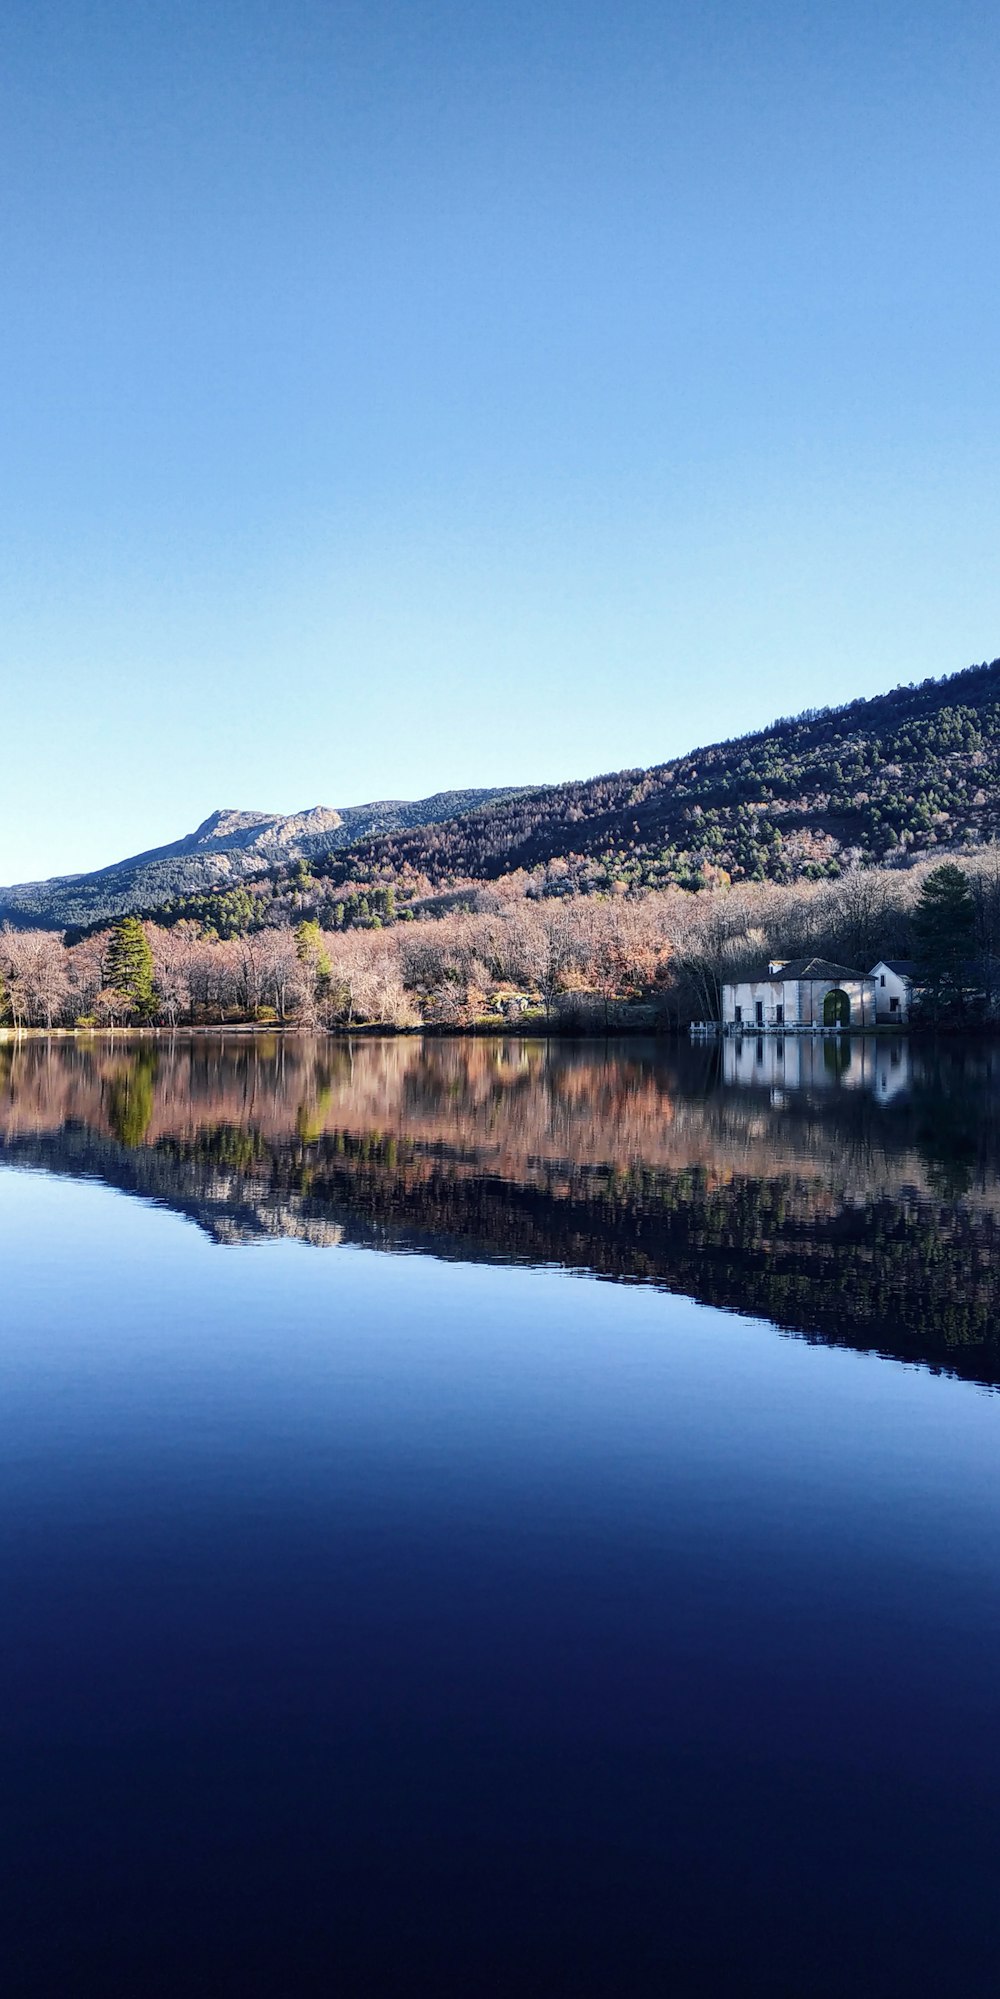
x=904 y=968
x=819 y=970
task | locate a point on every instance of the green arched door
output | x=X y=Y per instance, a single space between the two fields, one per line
x=836 y=1009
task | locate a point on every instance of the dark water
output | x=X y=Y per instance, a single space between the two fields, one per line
x=391 y=1605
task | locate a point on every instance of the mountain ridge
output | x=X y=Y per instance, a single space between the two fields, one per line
x=229 y=846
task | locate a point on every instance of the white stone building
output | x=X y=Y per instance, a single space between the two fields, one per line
x=894 y=982
x=799 y=995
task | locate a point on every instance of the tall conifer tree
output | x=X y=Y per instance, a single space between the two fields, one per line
x=128 y=967
x=944 y=924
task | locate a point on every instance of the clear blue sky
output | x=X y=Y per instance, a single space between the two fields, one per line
x=405 y=395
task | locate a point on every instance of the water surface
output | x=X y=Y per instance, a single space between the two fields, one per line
x=392 y=1601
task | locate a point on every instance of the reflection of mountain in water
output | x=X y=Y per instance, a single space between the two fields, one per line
x=822 y=1199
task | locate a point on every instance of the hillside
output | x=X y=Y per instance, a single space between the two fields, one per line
x=227 y=848
x=913 y=771
x=910 y=773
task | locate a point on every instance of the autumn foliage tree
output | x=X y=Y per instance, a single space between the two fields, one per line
x=482 y=955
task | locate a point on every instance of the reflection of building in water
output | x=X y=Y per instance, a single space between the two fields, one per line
x=777 y=1062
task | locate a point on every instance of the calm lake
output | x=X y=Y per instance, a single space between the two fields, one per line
x=487 y=1516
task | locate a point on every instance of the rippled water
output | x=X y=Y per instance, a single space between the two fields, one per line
x=389 y=1604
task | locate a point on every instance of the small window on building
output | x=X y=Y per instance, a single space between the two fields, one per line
x=779 y=1016
x=894 y=1005
x=882 y=980
x=760 y=1013
x=739 y=1016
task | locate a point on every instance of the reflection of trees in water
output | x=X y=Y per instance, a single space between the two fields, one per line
x=831 y=1214
x=953 y=1128
x=837 y=1054
x=948 y=1139
x=593 y=1103
x=130 y=1097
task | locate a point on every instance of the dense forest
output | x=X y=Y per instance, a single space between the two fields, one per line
x=651 y=957
x=873 y=782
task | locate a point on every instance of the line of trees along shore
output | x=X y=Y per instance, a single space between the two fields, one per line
x=583 y=961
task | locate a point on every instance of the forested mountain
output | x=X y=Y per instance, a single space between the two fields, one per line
x=226 y=848
x=913 y=771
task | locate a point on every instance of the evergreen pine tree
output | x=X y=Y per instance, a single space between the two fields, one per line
x=944 y=925
x=130 y=1100
x=128 y=968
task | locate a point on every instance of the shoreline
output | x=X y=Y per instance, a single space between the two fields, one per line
x=482 y=1031
x=260 y=1030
